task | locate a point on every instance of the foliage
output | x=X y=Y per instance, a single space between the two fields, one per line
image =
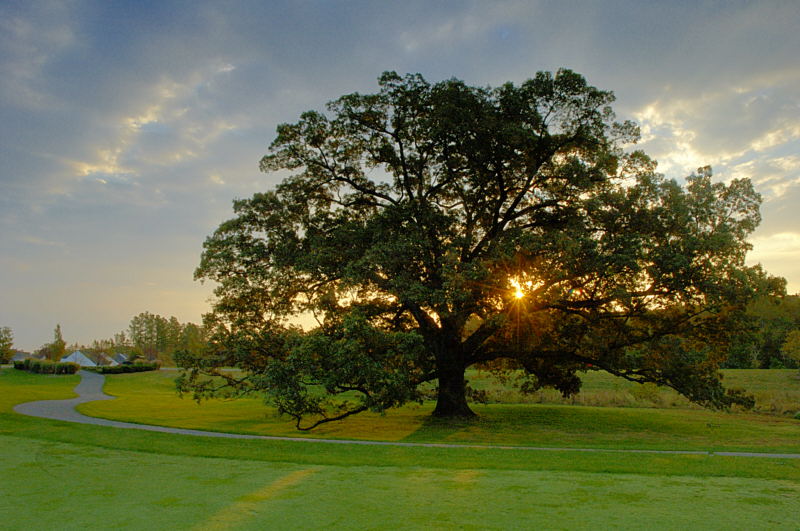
x=57 y=349
x=791 y=346
x=432 y=227
x=151 y=337
x=58 y=346
x=156 y=337
x=771 y=320
x=139 y=366
x=46 y=366
x=6 y=344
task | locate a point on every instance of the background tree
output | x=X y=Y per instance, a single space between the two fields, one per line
x=143 y=332
x=157 y=337
x=791 y=347
x=121 y=340
x=58 y=348
x=192 y=339
x=6 y=344
x=774 y=319
x=770 y=319
x=431 y=227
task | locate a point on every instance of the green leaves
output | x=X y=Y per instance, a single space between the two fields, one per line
x=411 y=210
x=6 y=344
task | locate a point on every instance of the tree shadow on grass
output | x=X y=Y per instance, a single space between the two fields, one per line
x=438 y=429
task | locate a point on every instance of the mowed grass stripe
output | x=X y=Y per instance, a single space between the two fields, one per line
x=247 y=506
x=467 y=477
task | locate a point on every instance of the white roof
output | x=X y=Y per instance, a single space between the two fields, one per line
x=107 y=360
x=79 y=358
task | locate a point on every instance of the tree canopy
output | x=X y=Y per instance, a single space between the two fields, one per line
x=430 y=227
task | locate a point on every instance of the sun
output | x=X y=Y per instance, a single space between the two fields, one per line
x=519 y=292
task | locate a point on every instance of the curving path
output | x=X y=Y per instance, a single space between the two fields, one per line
x=90 y=389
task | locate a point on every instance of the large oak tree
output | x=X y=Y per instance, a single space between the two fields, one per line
x=428 y=228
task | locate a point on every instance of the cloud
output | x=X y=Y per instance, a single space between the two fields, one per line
x=473 y=25
x=174 y=123
x=779 y=253
x=128 y=129
x=40 y=241
x=29 y=41
x=776 y=245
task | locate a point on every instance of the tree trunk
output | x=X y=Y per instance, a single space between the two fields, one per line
x=452 y=398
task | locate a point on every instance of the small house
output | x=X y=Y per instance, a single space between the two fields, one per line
x=104 y=359
x=20 y=356
x=80 y=358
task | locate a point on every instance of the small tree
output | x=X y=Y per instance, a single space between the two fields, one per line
x=6 y=344
x=58 y=348
x=432 y=227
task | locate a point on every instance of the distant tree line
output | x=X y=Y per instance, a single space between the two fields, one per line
x=159 y=338
x=149 y=337
x=771 y=339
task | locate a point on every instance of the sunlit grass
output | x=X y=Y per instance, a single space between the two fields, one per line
x=59 y=475
x=57 y=485
x=150 y=398
x=20 y=386
x=776 y=391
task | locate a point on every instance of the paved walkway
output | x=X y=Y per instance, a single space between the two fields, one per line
x=90 y=389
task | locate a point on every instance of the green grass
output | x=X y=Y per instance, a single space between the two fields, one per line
x=17 y=387
x=72 y=486
x=151 y=398
x=69 y=476
x=776 y=391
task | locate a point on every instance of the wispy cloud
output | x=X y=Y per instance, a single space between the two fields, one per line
x=34 y=240
x=778 y=245
x=28 y=42
x=128 y=130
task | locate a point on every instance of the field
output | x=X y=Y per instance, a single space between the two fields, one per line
x=67 y=476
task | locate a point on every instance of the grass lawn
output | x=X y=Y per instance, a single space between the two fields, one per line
x=73 y=486
x=57 y=475
x=150 y=398
x=775 y=391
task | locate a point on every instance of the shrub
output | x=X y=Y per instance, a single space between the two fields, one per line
x=648 y=392
x=46 y=366
x=139 y=366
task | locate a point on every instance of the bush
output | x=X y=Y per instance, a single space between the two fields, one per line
x=648 y=392
x=46 y=366
x=139 y=366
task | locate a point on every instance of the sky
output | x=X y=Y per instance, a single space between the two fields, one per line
x=127 y=128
